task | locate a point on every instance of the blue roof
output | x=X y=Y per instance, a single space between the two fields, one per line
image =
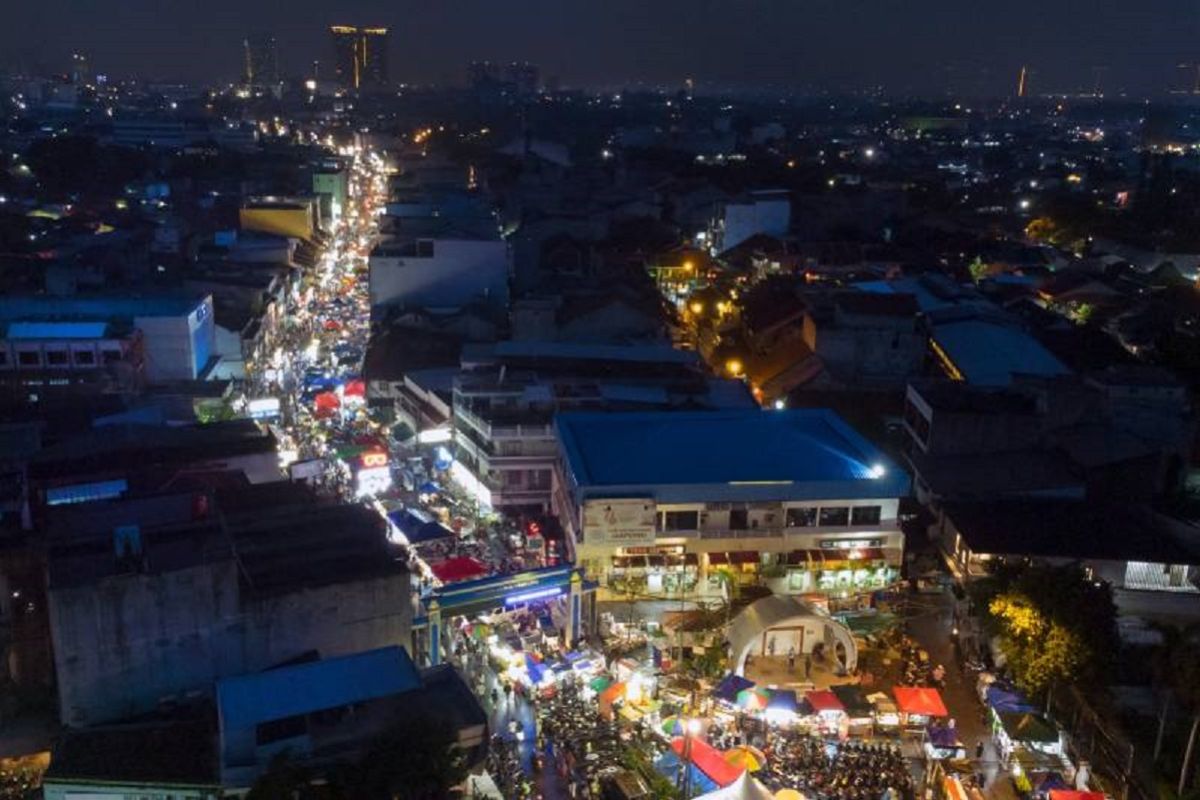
x=99 y=307
x=56 y=330
x=248 y=700
x=989 y=353
x=729 y=454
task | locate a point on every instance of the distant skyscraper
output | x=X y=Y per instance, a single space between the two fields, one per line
x=262 y=59
x=360 y=56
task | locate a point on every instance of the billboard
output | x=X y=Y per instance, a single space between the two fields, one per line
x=620 y=523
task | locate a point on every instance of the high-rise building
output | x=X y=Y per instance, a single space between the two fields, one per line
x=360 y=56
x=262 y=60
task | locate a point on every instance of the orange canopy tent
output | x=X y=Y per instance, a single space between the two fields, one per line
x=919 y=700
x=609 y=696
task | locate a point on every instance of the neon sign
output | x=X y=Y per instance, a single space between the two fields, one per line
x=374 y=460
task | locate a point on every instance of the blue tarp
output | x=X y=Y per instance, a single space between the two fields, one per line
x=667 y=765
x=1007 y=701
x=729 y=687
x=783 y=700
x=429 y=487
x=573 y=656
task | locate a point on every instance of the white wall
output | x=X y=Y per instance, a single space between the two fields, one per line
x=743 y=220
x=459 y=272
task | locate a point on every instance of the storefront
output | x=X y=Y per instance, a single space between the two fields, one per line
x=655 y=569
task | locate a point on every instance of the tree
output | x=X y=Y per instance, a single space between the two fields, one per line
x=1040 y=651
x=417 y=759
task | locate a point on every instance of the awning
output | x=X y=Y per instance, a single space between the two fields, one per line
x=823 y=700
x=745 y=557
x=919 y=700
x=709 y=760
x=866 y=554
x=942 y=736
x=1071 y=794
x=718 y=558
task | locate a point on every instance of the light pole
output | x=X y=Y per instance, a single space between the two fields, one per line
x=690 y=730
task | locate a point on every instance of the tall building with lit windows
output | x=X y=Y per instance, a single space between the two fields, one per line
x=360 y=56
x=261 y=60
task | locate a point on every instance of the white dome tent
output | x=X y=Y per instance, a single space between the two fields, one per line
x=779 y=611
x=744 y=788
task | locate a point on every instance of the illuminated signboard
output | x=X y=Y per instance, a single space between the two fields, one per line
x=372 y=481
x=536 y=594
x=372 y=460
x=850 y=544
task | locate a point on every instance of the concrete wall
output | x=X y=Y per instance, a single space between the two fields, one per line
x=458 y=272
x=126 y=643
x=177 y=347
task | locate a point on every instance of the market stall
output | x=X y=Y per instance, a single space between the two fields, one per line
x=1025 y=731
x=860 y=714
x=828 y=709
x=918 y=705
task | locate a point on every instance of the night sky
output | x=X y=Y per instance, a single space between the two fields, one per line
x=923 y=46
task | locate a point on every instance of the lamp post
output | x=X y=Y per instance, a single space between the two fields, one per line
x=690 y=730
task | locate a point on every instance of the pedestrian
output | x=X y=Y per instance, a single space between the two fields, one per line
x=979 y=750
x=791 y=659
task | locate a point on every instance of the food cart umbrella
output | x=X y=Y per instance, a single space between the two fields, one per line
x=673 y=726
x=600 y=683
x=919 y=700
x=753 y=699
x=788 y=794
x=747 y=757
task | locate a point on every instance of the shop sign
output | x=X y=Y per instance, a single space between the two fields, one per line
x=850 y=544
x=626 y=522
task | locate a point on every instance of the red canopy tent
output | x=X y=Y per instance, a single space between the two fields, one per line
x=326 y=404
x=919 y=700
x=1071 y=794
x=823 y=700
x=708 y=760
x=355 y=388
x=459 y=568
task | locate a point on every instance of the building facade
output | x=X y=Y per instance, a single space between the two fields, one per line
x=661 y=501
x=360 y=56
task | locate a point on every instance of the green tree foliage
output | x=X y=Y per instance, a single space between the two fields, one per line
x=1054 y=622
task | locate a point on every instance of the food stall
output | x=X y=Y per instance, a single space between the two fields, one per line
x=887 y=716
x=918 y=706
x=860 y=714
x=1026 y=731
x=830 y=712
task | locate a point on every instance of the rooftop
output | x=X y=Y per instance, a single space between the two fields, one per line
x=247 y=700
x=179 y=753
x=1066 y=529
x=989 y=353
x=795 y=454
x=97 y=307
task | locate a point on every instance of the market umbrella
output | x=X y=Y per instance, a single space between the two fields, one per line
x=672 y=726
x=753 y=699
x=788 y=794
x=747 y=757
x=600 y=683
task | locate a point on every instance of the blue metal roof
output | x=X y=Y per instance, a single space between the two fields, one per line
x=989 y=353
x=725 y=455
x=56 y=330
x=249 y=700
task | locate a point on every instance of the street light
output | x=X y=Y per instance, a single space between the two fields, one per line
x=691 y=730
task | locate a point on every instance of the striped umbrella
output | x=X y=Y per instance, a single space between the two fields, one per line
x=753 y=699
x=746 y=757
x=672 y=726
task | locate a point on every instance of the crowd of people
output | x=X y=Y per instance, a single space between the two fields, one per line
x=578 y=743
x=823 y=770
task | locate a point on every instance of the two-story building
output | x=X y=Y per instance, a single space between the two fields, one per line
x=796 y=496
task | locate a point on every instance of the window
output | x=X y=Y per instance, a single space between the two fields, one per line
x=681 y=520
x=739 y=519
x=801 y=517
x=85 y=358
x=29 y=358
x=111 y=356
x=834 y=516
x=56 y=358
x=865 y=515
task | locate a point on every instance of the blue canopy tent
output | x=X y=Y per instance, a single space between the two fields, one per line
x=783 y=700
x=1007 y=701
x=668 y=765
x=729 y=687
x=418 y=528
x=430 y=487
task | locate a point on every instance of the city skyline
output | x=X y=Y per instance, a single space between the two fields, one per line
x=928 y=47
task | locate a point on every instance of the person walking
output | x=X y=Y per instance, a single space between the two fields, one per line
x=791 y=659
x=979 y=750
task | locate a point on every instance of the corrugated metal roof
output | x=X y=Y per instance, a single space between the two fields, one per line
x=249 y=700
